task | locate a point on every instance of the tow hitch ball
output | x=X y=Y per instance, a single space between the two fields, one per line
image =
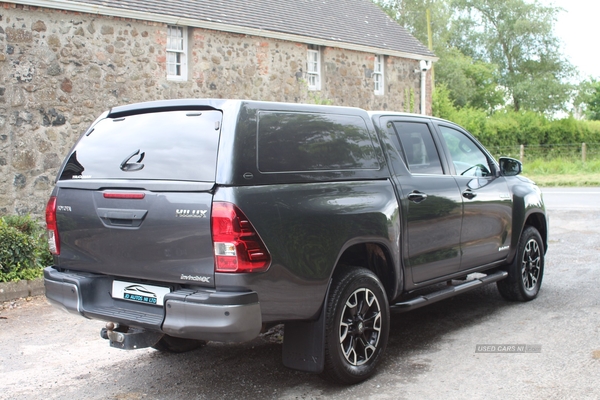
x=129 y=337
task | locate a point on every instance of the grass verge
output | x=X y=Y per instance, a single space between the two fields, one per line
x=563 y=172
x=565 y=180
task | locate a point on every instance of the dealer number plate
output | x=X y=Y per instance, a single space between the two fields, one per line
x=139 y=292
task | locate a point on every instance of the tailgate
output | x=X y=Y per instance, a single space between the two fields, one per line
x=163 y=237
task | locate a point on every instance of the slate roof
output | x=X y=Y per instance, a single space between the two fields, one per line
x=357 y=22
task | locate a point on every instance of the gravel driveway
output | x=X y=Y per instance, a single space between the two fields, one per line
x=48 y=354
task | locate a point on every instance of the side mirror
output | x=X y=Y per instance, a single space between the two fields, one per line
x=510 y=166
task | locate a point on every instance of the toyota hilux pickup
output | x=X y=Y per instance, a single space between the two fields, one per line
x=185 y=221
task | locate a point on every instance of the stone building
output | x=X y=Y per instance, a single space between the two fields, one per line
x=63 y=62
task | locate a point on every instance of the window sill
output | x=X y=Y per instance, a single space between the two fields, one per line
x=174 y=78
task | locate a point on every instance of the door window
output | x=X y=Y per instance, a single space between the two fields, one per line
x=467 y=158
x=419 y=151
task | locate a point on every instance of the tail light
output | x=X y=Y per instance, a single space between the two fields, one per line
x=119 y=195
x=238 y=248
x=53 y=239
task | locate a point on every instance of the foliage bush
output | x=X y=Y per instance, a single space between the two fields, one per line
x=510 y=128
x=23 y=248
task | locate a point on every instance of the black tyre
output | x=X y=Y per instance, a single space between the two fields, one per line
x=174 y=344
x=356 y=328
x=527 y=270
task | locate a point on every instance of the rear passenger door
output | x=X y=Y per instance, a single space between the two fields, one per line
x=431 y=201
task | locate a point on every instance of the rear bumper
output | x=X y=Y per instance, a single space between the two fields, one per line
x=195 y=314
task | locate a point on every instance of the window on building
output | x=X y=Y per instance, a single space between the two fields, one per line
x=176 y=53
x=313 y=67
x=378 y=74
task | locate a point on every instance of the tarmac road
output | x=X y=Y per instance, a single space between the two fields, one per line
x=47 y=354
x=572 y=198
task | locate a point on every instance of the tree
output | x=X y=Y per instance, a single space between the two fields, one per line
x=518 y=37
x=587 y=101
x=471 y=83
x=468 y=83
x=492 y=52
x=412 y=15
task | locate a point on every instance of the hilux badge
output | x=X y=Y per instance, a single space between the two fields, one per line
x=191 y=213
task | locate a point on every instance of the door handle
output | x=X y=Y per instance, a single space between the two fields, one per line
x=468 y=194
x=416 y=197
x=120 y=218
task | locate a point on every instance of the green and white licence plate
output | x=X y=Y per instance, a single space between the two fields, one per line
x=139 y=292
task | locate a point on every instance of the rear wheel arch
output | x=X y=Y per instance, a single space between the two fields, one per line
x=375 y=257
x=309 y=337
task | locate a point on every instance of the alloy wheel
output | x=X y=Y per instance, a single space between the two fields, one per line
x=360 y=326
x=530 y=264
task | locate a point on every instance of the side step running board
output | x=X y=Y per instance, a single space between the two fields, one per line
x=447 y=292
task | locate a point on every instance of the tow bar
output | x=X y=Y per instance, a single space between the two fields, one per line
x=128 y=337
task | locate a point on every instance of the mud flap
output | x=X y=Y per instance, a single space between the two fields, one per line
x=304 y=343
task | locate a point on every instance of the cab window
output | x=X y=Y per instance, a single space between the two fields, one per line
x=467 y=157
x=418 y=148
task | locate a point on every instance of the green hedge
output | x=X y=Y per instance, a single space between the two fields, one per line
x=23 y=248
x=510 y=128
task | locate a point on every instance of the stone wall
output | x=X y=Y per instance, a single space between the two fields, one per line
x=59 y=70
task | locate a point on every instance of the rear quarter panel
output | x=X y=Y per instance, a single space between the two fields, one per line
x=306 y=228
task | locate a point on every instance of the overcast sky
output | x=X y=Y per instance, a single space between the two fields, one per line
x=579 y=29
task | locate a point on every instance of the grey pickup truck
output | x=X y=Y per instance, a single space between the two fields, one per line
x=184 y=221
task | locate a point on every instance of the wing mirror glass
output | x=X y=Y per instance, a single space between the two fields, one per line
x=510 y=166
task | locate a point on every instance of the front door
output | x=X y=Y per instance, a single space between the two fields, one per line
x=487 y=215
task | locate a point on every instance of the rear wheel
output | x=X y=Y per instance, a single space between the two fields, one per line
x=357 y=326
x=174 y=344
x=527 y=270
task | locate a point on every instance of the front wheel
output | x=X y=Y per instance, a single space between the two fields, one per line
x=527 y=270
x=357 y=326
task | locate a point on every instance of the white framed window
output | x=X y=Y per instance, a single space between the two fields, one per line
x=378 y=75
x=177 y=53
x=313 y=67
